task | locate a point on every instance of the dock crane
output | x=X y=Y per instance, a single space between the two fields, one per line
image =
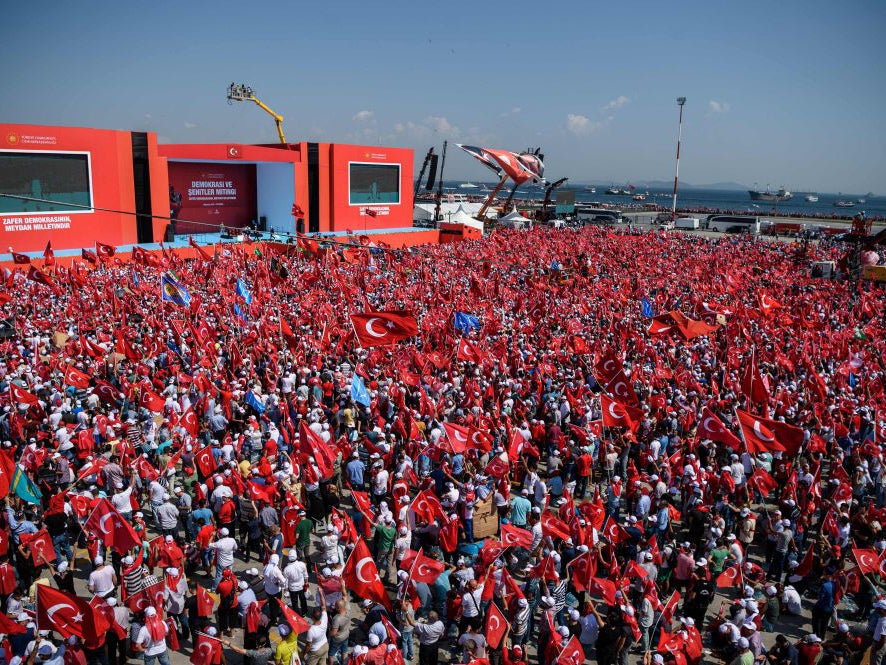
x=243 y=93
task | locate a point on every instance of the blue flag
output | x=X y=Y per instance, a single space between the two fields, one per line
x=24 y=487
x=359 y=394
x=466 y=322
x=239 y=312
x=243 y=291
x=555 y=265
x=853 y=380
x=646 y=308
x=254 y=402
x=172 y=291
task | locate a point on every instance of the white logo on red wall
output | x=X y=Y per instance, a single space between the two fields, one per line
x=235 y=152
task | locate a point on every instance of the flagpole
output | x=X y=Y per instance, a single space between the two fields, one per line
x=655 y=626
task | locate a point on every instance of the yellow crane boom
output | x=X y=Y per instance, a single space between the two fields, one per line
x=239 y=92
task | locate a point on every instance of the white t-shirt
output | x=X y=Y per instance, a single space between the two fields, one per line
x=121 y=501
x=102 y=580
x=316 y=635
x=152 y=647
x=380 y=482
x=225 y=548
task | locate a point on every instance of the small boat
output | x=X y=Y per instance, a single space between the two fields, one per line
x=639 y=197
x=615 y=191
x=862 y=201
x=812 y=198
x=591 y=189
x=844 y=204
x=467 y=185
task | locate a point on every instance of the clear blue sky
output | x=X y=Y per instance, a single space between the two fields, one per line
x=790 y=93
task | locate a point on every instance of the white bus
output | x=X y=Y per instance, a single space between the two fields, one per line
x=733 y=224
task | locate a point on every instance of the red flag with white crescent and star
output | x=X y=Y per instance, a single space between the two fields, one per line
x=68 y=615
x=383 y=328
x=361 y=575
x=616 y=414
x=711 y=427
x=496 y=626
x=758 y=437
x=109 y=526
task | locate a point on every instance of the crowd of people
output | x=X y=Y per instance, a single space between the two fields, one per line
x=549 y=446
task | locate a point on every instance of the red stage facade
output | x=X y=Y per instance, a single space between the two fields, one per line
x=96 y=178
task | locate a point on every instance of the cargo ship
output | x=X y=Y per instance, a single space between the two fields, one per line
x=768 y=195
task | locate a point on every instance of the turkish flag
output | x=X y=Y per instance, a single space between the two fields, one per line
x=789 y=436
x=74 y=377
x=605 y=588
x=151 y=401
x=468 y=351
x=288 y=521
x=730 y=577
x=40 y=544
x=19 y=395
x=711 y=427
x=614 y=532
x=616 y=414
x=515 y=536
x=584 y=567
x=427 y=506
x=496 y=626
x=104 y=251
x=762 y=481
x=620 y=386
x=205 y=461
x=37 y=275
x=551 y=525
x=481 y=440
x=768 y=303
x=149 y=596
x=109 y=526
x=19 y=259
x=361 y=575
x=383 y=328
x=294 y=619
x=497 y=467
x=671 y=607
x=753 y=384
x=805 y=566
x=422 y=567
x=758 y=437
x=297 y=211
x=190 y=422
x=207 y=650
x=867 y=559
x=146 y=470
x=205 y=603
x=69 y=615
x=313 y=445
x=10 y=627
x=458 y=436
x=370 y=212
x=546 y=569
x=101 y=606
x=7 y=468
x=572 y=653
x=107 y=393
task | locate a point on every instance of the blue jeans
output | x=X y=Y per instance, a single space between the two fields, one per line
x=218 y=575
x=162 y=658
x=62 y=547
x=407 y=645
x=338 y=651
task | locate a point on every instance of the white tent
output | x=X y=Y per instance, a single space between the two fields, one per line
x=461 y=216
x=425 y=211
x=515 y=220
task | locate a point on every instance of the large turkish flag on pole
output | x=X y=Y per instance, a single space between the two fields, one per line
x=383 y=328
x=361 y=575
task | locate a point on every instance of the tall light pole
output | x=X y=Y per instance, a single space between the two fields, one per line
x=680 y=102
